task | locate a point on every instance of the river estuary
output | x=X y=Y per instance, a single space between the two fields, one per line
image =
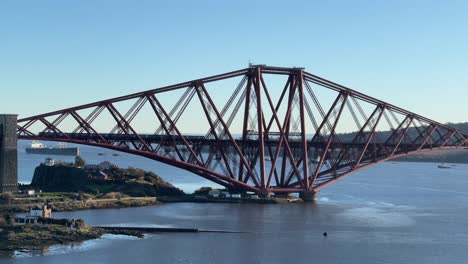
x=394 y=212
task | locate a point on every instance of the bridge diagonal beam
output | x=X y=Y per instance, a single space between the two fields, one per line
x=280 y=128
x=461 y=140
x=357 y=138
x=23 y=130
x=245 y=127
x=432 y=128
x=126 y=127
x=200 y=88
x=229 y=103
x=440 y=135
x=261 y=135
x=51 y=127
x=219 y=150
x=162 y=115
x=86 y=125
x=189 y=92
x=304 y=148
x=286 y=126
x=409 y=120
x=283 y=136
x=59 y=120
x=371 y=134
x=344 y=97
x=288 y=152
x=131 y=114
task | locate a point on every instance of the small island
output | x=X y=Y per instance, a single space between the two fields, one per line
x=38 y=229
x=59 y=186
x=76 y=186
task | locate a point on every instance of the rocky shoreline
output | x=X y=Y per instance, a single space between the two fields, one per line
x=37 y=236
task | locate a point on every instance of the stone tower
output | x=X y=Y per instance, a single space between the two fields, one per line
x=8 y=154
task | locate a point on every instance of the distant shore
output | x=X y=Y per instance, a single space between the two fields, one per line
x=458 y=156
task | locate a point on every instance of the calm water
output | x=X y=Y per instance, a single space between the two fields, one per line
x=390 y=213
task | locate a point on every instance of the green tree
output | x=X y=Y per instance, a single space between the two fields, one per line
x=79 y=162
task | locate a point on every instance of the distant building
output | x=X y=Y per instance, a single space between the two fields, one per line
x=214 y=193
x=236 y=196
x=31 y=192
x=98 y=175
x=96 y=171
x=49 y=162
x=106 y=165
x=37 y=211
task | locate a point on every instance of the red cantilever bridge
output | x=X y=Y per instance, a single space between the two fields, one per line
x=260 y=129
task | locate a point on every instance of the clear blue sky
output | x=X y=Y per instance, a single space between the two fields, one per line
x=56 y=54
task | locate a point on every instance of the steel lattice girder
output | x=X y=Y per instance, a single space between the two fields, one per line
x=291 y=144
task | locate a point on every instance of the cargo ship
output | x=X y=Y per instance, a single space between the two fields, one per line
x=60 y=149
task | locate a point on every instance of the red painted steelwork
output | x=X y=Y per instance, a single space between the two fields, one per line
x=294 y=143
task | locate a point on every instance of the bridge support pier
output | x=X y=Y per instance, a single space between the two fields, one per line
x=8 y=154
x=310 y=196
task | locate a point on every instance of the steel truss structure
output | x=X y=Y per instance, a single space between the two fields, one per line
x=259 y=139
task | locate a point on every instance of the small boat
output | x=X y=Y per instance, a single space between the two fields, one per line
x=442 y=166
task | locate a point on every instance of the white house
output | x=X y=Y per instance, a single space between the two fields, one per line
x=214 y=193
x=49 y=162
x=37 y=211
x=236 y=195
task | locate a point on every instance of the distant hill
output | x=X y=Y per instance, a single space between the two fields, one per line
x=449 y=156
x=412 y=132
x=439 y=156
x=462 y=126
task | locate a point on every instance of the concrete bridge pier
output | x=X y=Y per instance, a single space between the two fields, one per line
x=310 y=196
x=8 y=154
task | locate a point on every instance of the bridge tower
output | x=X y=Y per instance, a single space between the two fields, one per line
x=8 y=153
